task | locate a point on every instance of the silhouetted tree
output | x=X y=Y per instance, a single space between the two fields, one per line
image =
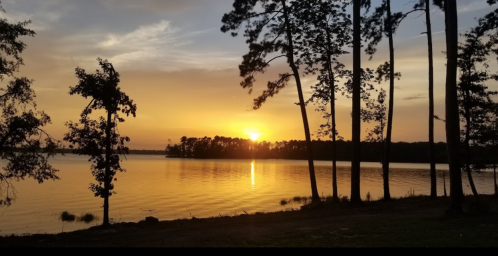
x=25 y=147
x=424 y=5
x=356 y=118
x=270 y=27
x=491 y=139
x=432 y=160
x=376 y=112
x=100 y=139
x=326 y=29
x=474 y=96
x=452 y=120
x=382 y=23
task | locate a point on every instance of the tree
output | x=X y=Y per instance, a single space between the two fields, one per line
x=25 y=147
x=271 y=31
x=474 y=97
x=451 y=103
x=356 y=118
x=432 y=158
x=424 y=5
x=376 y=112
x=477 y=109
x=490 y=137
x=430 y=50
x=326 y=31
x=100 y=139
x=384 y=23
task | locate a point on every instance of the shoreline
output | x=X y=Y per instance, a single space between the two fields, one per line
x=405 y=222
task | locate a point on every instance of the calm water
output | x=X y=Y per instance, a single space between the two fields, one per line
x=171 y=189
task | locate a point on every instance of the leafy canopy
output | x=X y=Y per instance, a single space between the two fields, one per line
x=25 y=147
x=88 y=137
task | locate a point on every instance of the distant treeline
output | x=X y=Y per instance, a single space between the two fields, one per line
x=131 y=151
x=236 y=148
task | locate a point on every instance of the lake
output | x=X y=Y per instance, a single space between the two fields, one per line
x=170 y=189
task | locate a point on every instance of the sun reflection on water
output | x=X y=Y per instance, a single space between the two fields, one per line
x=252 y=174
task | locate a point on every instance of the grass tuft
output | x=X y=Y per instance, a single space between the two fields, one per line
x=66 y=216
x=87 y=218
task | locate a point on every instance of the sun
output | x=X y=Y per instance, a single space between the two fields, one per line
x=254 y=136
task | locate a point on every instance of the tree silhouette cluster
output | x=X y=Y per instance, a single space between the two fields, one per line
x=26 y=147
x=221 y=147
x=311 y=36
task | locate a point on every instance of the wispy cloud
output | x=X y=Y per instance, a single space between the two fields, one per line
x=154 y=46
x=153 y=5
x=44 y=15
x=471 y=5
x=415 y=97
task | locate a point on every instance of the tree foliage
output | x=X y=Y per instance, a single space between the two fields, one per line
x=100 y=138
x=25 y=147
x=476 y=106
x=272 y=31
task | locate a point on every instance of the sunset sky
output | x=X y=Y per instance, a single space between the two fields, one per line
x=182 y=71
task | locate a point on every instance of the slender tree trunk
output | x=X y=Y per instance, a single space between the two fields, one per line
x=452 y=114
x=107 y=174
x=314 y=189
x=387 y=144
x=494 y=176
x=335 y=196
x=494 y=160
x=432 y=157
x=356 y=122
x=444 y=185
x=467 y=145
x=472 y=185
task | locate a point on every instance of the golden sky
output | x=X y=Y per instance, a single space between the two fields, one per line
x=182 y=71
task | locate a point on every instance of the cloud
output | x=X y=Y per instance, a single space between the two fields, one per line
x=158 y=46
x=471 y=5
x=415 y=97
x=45 y=13
x=153 y=5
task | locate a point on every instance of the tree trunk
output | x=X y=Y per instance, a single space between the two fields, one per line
x=387 y=145
x=356 y=122
x=452 y=114
x=494 y=176
x=472 y=185
x=432 y=158
x=314 y=189
x=335 y=196
x=444 y=185
x=107 y=174
x=494 y=161
x=467 y=145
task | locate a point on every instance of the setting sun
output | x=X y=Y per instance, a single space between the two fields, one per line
x=254 y=136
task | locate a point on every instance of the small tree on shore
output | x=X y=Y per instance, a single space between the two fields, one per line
x=100 y=139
